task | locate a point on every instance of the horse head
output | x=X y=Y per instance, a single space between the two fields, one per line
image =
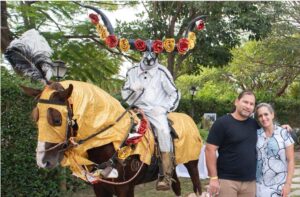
x=70 y=115
x=52 y=116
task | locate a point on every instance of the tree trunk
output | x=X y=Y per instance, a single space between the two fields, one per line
x=171 y=63
x=6 y=35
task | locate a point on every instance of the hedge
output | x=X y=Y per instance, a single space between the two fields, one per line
x=287 y=110
x=20 y=175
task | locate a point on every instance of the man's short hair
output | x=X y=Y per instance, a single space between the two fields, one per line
x=245 y=92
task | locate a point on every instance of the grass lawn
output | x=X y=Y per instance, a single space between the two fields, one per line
x=148 y=190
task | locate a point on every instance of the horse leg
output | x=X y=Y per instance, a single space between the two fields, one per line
x=192 y=167
x=101 y=191
x=125 y=190
x=176 y=185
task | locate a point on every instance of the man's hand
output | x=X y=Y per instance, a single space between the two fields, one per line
x=287 y=127
x=214 y=187
x=158 y=110
x=286 y=190
x=136 y=86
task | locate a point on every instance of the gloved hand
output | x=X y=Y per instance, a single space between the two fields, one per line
x=136 y=86
x=158 y=111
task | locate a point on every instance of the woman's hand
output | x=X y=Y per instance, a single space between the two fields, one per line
x=286 y=190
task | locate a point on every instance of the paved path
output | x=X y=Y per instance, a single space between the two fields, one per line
x=296 y=179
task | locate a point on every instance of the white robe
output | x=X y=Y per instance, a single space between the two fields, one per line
x=159 y=91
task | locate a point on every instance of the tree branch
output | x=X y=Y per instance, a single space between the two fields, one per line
x=49 y=17
x=101 y=45
x=171 y=29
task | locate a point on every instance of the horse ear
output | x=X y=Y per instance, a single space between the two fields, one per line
x=64 y=95
x=30 y=91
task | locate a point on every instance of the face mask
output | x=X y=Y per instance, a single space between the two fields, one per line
x=149 y=59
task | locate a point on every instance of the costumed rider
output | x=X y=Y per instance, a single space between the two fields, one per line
x=160 y=97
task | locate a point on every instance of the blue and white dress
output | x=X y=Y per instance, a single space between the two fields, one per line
x=271 y=171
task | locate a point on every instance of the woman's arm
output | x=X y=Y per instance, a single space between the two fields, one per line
x=289 y=151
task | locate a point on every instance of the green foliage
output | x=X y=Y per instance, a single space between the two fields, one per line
x=294 y=90
x=287 y=110
x=20 y=175
x=72 y=37
x=210 y=84
x=99 y=67
x=262 y=67
x=203 y=133
x=224 y=22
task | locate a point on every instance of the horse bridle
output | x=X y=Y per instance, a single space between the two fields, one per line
x=71 y=126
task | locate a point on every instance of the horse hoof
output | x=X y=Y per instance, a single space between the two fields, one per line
x=162 y=186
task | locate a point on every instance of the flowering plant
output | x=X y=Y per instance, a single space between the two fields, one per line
x=140 y=45
x=200 y=25
x=124 y=44
x=157 y=46
x=169 y=44
x=94 y=18
x=183 y=45
x=111 y=41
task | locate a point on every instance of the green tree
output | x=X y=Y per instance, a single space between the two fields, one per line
x=20 y=175
x=261 y=66
x=225 y=23
x=70 y=34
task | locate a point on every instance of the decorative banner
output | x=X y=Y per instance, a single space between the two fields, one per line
x=94 y=18
x=192 y=40
x=183 y=46
x=102 y=31
x=140 y=45
x=124 y=45
x=157 y=46
x=111 y=41
x=169 y=44
x=200 y=25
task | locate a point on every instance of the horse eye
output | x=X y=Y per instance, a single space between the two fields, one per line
x=54 y=117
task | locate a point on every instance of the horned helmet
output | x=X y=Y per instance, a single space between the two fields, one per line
x=150 y=48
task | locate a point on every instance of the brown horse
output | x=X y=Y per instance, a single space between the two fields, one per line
x=59 y=104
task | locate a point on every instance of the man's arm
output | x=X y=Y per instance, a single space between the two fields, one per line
x=287 y=127
x=131 y=86
x=211 y=163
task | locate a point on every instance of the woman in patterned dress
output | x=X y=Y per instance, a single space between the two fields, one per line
x=275 y=156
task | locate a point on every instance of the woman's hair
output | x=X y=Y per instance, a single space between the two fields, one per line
x=267 y=105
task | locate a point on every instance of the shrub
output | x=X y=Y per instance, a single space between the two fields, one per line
x=20 y=175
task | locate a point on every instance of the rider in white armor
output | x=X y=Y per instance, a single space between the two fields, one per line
x=160 y=97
